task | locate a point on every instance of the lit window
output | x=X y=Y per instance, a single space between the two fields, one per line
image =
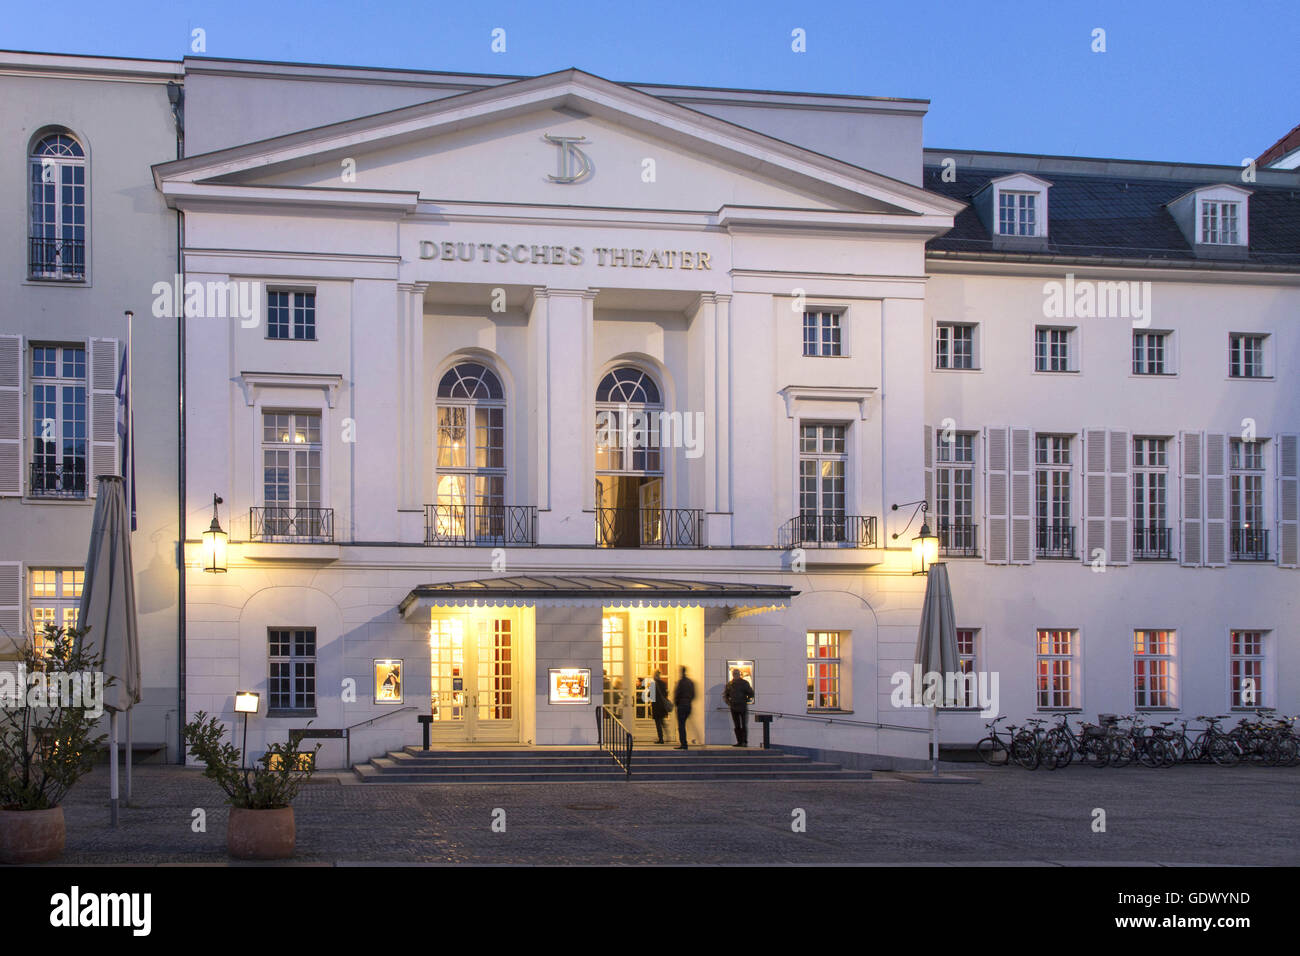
x=291 y=479
x=967 y=664
x=293 y=668
x=54 y=597
x=1153 y=669
x=824 y=659
x=1056 y=671
x=471 y=438
x=1248 y=669
x=821 y=333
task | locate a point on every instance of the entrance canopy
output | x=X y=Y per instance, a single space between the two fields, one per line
x=592 y=591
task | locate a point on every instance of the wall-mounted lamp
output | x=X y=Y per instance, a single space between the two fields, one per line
x=214 y=543
x=925 y=546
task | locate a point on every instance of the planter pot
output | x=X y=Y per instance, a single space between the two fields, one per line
x=31 y=836
x=260 y=834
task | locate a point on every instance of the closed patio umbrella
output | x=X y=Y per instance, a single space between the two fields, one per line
x=108 y=610
x=936 y=644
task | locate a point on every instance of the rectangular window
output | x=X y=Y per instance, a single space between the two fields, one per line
x=1149 y=353
x=1056 y=670
x=1052 y=350
x=1151 y=535
x=53 y=600
x=1246 y=483
x=954 y=484
x=1219 y=223
x=821 y=333
x=824 y=658
x=292 y=682
x=1017 y=215
x=1248 y=669
x=290 y=315
x=967 y=664
x=58 y=467
x=1154 y=669
x=823 y=478
x=1246 y=356
x=291 y=477
x=954 y=346
x=1053 y=519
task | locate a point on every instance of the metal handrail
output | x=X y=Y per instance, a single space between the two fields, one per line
x=840 y=720
x=649 y=527
x=347 y=731
x=293 y=525
x=473 y=524
x=612 y=737
x=828 y=531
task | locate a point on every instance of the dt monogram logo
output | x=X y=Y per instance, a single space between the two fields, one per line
x=572 y=164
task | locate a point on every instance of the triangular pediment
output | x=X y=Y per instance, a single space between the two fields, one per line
x=506 y=145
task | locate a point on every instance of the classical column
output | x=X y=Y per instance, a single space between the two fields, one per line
x=712 y=321
x=413 y=443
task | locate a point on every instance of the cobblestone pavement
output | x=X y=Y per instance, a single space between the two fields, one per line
x=1210 y=815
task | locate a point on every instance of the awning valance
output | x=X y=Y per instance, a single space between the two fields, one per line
x=556 y=590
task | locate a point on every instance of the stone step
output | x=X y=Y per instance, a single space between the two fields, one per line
x=370 y=775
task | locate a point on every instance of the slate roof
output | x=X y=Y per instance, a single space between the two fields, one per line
x=1124 y=217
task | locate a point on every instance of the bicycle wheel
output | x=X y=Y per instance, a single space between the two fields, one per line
x=1288 y=751
x=992 y=752
x=1061 y=747
x=1094 y=752
x=1024 y=751
x=1122 y=751
x=1223 y=751
x=1145 y=749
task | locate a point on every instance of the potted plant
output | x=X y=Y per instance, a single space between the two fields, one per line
x=48 y=717
x=261 y=823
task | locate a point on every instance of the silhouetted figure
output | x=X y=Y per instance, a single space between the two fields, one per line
x=739 y=695
x=683 y=694
x=657 y=694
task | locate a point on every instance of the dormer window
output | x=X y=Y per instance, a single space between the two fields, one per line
x=1219 y=223
x=1017 y=214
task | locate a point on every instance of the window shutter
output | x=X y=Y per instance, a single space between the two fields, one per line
x=103 y=412
x=995 y=494
x=11 y=606
x=11 y=415
x=1216 y=500
x=1121 y=527
x=1095 y=513
x=1287 y=547
x=928 y=458
x=1189 y=497
x=1022 y=497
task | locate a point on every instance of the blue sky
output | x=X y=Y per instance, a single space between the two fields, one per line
x=1191 y=80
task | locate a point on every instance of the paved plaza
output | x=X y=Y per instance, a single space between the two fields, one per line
x=1185 y=815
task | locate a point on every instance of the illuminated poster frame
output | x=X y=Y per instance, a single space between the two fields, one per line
x=569 y=685
x=746 y=671
x=388 y=680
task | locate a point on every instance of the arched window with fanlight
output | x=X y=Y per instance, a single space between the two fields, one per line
x=56 y=245
x=629 y=463
x=471 y=458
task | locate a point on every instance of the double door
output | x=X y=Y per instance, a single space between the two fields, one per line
x=633 y=647
x=474 y=672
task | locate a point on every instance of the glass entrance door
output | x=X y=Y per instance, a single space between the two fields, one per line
x=633 y=648
x=473 y=668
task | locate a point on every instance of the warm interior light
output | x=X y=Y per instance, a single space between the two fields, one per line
x=246 y=702
x=925 y=550
x=214 y=543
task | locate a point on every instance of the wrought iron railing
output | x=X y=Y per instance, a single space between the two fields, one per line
x=649 y=527
x=1249 y=544
x=1055 y=541
x=293 y=525
x=56 y=258
x=828 y=531
x=1152 y=542
x=50 y=480
x=958 y=539
x=486 y=525
x=614 y=738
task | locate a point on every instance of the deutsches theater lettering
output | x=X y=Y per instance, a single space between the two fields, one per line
x=524 y=254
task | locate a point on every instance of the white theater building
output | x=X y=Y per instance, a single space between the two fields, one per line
x=473 y=291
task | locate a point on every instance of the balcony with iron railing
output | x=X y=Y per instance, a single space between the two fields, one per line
x=1055 y=540
x=1249 y=544
x=480 y=525
x=291 y=525
x=1152 y=543
x=49 y=258
x=649 y=528
x=828 y=531
x=50 y=479
x=958 y=539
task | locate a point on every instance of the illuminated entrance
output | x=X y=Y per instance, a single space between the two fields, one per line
x=634 y=644
x=474 y=676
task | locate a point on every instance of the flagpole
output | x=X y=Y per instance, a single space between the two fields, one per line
x=128 y=465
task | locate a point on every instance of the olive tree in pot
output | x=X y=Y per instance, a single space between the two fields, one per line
x=48 y=715
x=261 y=823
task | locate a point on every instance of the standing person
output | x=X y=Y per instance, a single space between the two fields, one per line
x=739 y=695
x=683 y=694
x=657 y=695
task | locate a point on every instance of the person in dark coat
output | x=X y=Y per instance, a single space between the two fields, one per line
x=659 y=703
x=739 y=695
x=683 y=694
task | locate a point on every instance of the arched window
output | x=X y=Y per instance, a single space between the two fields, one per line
x=629 y=465
x=471 y=437
x=56 y=247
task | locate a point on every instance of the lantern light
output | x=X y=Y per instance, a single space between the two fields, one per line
x=214 y=543
x=246 y=701
x=925 y=550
